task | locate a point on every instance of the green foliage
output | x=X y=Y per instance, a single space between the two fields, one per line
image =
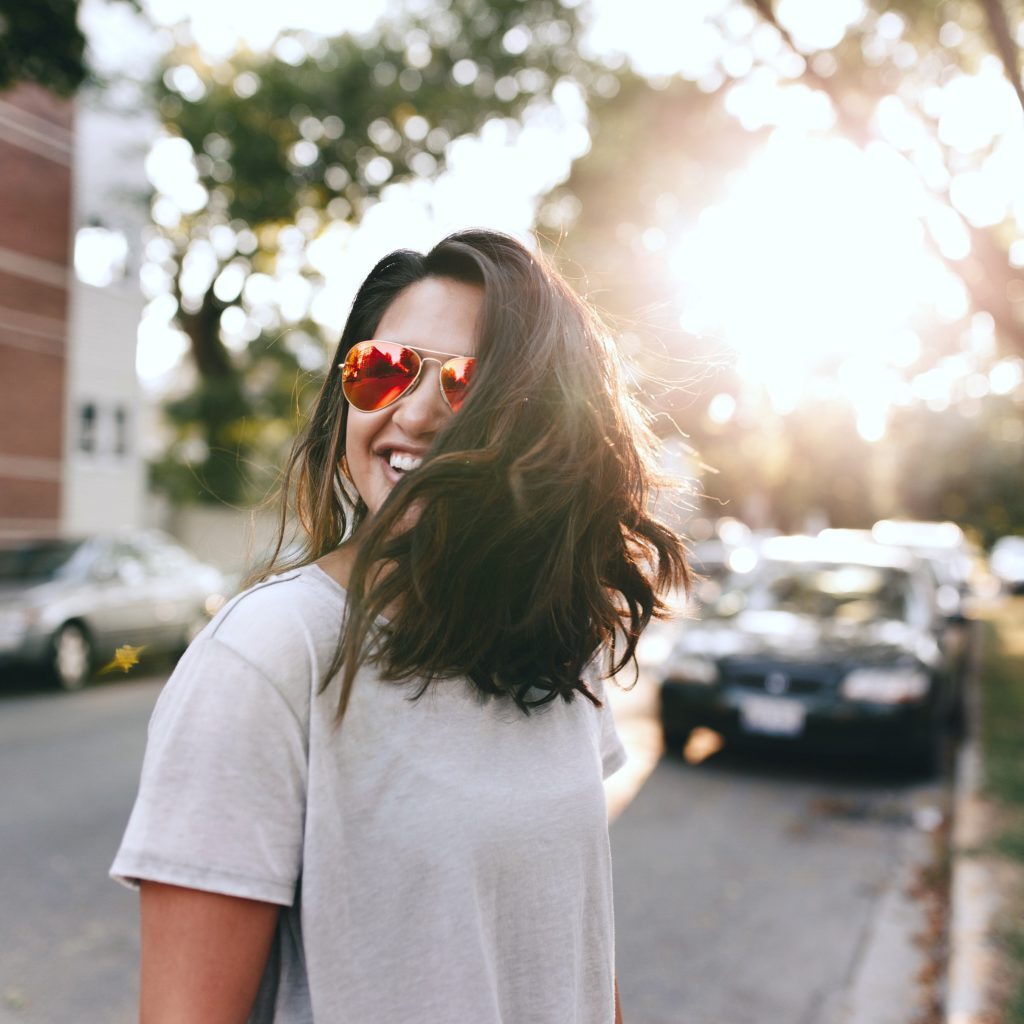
x=229 y=431
x=1002 y=706
x=964 y=464
x=1002 y=744
x=354 y=98
x=40 y=41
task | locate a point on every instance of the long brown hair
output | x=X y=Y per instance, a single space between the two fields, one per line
x=523 y=545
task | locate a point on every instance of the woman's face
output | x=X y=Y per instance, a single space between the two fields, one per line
x=436 y=313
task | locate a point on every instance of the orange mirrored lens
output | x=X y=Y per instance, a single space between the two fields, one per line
x=455 y=377
x=377 y=373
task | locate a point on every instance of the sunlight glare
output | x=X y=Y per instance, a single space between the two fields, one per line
x=686 y=40
x=975 y=109
x=221 y=27
x=721 y=408
x=816 y=25
x=763 y=99
x=101 y=255
x=160 y=347
x=815 y=254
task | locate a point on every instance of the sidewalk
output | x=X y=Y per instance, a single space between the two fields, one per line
x=980 y=882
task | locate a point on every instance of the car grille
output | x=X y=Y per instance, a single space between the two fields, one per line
x=797 y=683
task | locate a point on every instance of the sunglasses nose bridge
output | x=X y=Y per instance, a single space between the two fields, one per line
x=419 y=375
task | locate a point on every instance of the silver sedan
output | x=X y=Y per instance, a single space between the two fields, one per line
x=67 y=606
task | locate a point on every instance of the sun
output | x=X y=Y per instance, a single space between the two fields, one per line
x=814 y=270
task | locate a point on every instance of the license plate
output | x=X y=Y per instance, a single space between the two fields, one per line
x=773 y=716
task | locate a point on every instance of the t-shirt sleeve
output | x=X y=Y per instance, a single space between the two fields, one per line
x=221 y=803
x=613 y=753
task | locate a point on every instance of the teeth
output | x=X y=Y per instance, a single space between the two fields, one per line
x=403 y=462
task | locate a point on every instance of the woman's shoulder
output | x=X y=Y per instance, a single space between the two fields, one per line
x=303 y=590
x=286 y=622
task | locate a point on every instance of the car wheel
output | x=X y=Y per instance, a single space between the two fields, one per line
x=71 y=661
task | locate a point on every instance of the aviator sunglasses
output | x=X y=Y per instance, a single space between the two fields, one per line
x=376 y=374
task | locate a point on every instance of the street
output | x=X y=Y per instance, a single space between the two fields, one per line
x=68 y=937
x=769 y=889
x=746 y=889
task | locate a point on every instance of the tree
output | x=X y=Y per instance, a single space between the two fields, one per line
x=41 y=42
x=282 y=147
x=641 y=187
x=994 y=284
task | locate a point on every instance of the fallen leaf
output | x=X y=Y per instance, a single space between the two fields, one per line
x=125 y=658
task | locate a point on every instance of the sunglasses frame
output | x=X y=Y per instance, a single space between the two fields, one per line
x=430 y=356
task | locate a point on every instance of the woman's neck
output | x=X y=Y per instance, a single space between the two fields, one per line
x=338 y=563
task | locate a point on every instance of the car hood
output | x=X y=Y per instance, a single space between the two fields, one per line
x=30 y=592
x=803 y=638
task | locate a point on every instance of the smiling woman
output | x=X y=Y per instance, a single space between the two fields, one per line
x=397 y=741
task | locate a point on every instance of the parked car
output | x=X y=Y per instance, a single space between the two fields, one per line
x=949 y=555
x=828 y=644
x=66 y=605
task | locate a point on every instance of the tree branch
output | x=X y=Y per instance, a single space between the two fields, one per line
x=986 y=273
x=851 y=125
x=1006 y=45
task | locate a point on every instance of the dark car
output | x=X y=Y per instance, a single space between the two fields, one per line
x=67 y=605
x=831 y=646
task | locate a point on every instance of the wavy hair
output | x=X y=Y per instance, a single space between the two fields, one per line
x=524 y=544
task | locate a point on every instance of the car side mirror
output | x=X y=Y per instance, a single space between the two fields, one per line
x=103 y=572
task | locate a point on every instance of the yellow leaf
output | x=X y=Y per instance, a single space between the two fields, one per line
x=125 y=657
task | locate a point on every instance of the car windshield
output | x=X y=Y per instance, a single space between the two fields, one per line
x=844 y=591
x=36 y=560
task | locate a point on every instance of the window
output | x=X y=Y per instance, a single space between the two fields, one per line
x=87 y=416
x=120 y=430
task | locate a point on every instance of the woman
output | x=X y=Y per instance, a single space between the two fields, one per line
x=372 y=791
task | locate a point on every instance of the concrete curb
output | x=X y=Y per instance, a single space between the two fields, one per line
x=973 y=901
x=879 y=992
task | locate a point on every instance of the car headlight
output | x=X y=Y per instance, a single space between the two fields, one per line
x=14 y=624
x=885 y=685
x=692 y=669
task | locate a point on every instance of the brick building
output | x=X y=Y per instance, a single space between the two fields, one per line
x=36 y=146
x=70 y=406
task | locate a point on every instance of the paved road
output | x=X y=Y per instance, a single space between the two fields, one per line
x=745 y=891
x=68 y=937
x=753 y=890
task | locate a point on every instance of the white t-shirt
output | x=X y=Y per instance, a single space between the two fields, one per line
x=442 y=860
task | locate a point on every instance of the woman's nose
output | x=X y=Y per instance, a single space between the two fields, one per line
x=422 y=409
